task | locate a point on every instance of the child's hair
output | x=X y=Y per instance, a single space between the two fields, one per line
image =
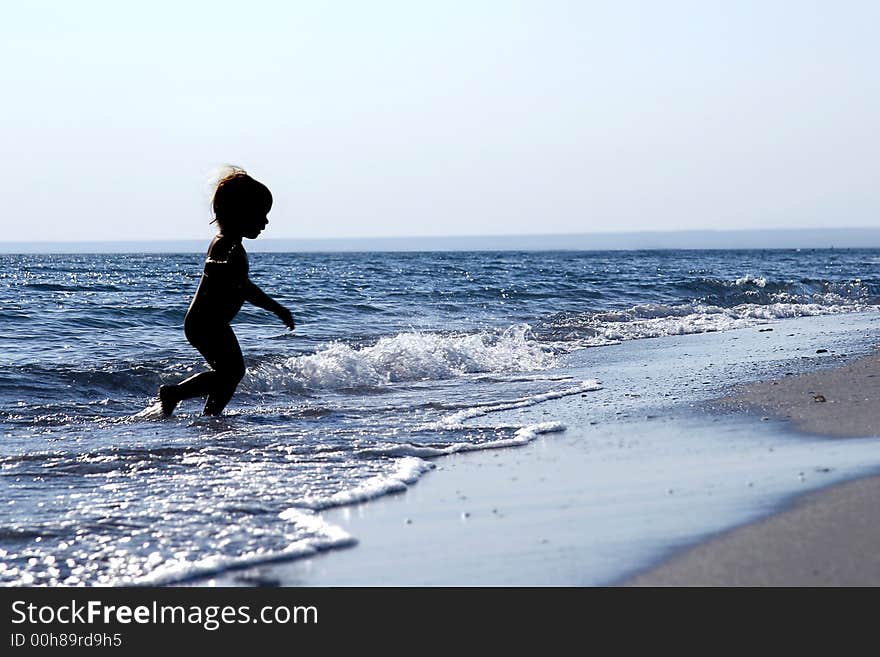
x=236 y=195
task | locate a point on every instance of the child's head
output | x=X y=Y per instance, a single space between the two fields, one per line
x=241 y=204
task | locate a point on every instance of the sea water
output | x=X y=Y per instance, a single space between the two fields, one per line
x=397 y=360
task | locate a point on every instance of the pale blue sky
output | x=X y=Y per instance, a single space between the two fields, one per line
x=421 y=118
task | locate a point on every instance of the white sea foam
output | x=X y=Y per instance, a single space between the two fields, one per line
x=525 y=378
x=151 y=412
x=317 y=535
x=405 y=357
x=748 y=279
x=522 y=436
x=411 y=465
x=658 y=320
x=456 y=419
x=407 y=471
x=326 y=534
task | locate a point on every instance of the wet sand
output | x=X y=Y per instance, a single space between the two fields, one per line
x=827 y=538
x=841 y=402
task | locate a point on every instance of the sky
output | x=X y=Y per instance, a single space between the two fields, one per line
x=418 y=118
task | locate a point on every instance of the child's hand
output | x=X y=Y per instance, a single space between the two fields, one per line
x=285 y=316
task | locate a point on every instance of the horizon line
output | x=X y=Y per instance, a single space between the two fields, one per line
x=677 y=239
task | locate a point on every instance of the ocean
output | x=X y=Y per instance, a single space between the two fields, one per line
x=398 y=359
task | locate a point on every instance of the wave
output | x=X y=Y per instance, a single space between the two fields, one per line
x=411 y=465
x=405 y=357
x=89 y=286
x=454 y=421
x=402 y=358
x=408 y=470
x=107 y=380
x=764 y=290
x=748 y=279
x=659 y=320
x=522 y=436
x=318 y=535
x=716 y=304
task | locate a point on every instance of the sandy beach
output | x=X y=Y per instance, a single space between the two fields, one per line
x=828 y=538
x=840 y=402
x=640 y=489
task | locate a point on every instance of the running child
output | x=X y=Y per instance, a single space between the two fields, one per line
x=240 y=207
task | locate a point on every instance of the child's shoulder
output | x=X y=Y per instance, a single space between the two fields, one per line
x=223 y=248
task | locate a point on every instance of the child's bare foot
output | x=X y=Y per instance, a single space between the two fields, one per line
x=167 y=399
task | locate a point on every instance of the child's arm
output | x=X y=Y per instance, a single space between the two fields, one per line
x=262 y=300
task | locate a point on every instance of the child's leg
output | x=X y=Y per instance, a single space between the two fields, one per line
x=198 y=385
x=221 y=350
x=229 y=370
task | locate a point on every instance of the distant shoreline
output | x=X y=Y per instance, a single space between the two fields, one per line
x=818 y=238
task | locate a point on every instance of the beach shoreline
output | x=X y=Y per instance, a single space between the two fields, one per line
x=825 y=538
x=556 y=512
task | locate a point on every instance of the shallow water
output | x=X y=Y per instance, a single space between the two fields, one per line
x=398 y=358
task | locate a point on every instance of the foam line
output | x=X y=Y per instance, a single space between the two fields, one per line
x=321 y=536
x=523 y=436
x=455 y=420
x=408 y=471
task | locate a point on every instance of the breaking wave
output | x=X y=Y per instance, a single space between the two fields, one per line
x=405 y=357
x=585 y=329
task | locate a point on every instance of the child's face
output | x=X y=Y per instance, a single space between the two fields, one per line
x=255 y=223
x=254 y=220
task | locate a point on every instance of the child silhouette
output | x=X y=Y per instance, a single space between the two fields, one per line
x=240 y=207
